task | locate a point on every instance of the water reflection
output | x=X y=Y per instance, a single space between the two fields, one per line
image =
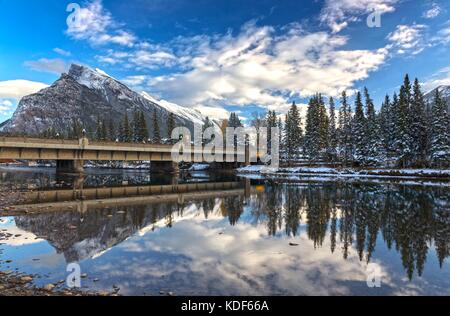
x=236 y=240
x=411 y=220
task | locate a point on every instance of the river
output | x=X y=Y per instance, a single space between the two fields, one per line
x=231 y=237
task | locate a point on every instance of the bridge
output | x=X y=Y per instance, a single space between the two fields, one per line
x=71 y=154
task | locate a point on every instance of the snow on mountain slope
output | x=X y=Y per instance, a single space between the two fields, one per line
x=445 y=93
x=190 y=114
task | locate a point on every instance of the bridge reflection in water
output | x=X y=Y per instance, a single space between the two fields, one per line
x=83 y=199
x=69 y=218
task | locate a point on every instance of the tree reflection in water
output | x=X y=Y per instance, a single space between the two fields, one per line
x=410 y=219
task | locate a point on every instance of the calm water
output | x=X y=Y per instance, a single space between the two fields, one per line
x=261 y=238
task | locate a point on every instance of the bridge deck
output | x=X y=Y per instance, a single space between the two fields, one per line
x=83 y=149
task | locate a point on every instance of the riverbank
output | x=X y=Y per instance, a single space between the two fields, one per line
x=14 y=284
x=442 y=174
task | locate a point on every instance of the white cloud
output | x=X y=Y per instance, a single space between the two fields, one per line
x=443 y=35
x=440 y=78
x=144 y=56
x=5 y=106
x=62 y=52
x=212 y=112
x=433 y=12
x=135 y=81
x=16 y=89
x=259 y=67
x=56 y=65
x=338 y=13
x=408 y=39
x=96 y=25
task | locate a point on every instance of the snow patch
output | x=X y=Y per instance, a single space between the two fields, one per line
x=199 y=167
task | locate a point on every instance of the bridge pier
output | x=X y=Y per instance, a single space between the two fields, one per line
x=70 y=166
x=166 y=167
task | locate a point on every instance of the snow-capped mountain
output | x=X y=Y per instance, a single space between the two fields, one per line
x=85 y=94
x=445 y=93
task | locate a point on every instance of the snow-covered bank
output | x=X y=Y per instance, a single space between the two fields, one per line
x=199 y=167
x=347 y=172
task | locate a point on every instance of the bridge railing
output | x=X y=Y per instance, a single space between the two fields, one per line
x=86 y=144
x=28 y=140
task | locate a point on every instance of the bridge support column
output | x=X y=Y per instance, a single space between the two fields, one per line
x=167 y=167
x=70 y=166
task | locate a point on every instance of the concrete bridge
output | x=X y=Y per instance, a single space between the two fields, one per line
x=71 y=154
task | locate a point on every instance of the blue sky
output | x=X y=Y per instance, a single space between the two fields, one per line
x=223 y=55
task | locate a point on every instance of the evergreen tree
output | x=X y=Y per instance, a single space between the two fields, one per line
x=125 y=130
x=170 y=125
x=345 y=131
x=281 y=135
x=324 y=124
x=385 y=123
x=293 y=132
x=316 y=134
x=374 y=149
x=144 y=127
x=111 y=130
x=403 y=140
x=332 y=132
x=394 y=128
x=272 y=122
x=156 y=130
x=359 y=131
x=418 y=124
x=136 y=127
x=76 y=130
x=440 y=132
x=234 y=122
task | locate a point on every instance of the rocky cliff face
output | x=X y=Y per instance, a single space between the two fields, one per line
x=445 y=93
x=85 y=95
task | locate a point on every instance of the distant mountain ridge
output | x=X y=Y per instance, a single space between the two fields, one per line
x=445 y=93
x=85 y=95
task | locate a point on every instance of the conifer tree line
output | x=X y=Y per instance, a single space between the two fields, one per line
x=130 y=129
x=405 y=132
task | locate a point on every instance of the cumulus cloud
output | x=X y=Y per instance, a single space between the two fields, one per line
x=337 y=14
x=259 y=67
x=16 y=89
x=56 y=65
x=433 y=12
x=96 y=25
x=408 y=39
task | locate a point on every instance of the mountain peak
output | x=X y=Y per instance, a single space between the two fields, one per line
x=76 y=71
x=91 y=78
